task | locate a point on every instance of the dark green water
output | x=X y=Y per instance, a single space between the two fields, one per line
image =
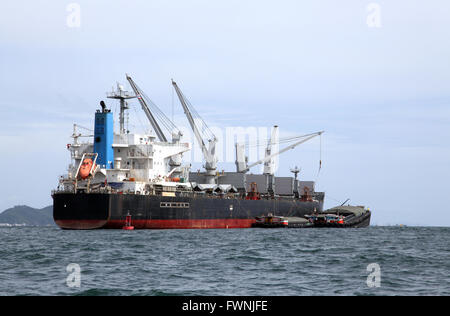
x=412 y=261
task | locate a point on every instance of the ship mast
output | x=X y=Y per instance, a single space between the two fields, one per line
x=121 y=95
x=296 y=171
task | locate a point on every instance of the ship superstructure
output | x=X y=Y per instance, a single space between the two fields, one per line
x=120 y=176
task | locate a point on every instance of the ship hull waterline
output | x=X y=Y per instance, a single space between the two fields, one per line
x=109 y=211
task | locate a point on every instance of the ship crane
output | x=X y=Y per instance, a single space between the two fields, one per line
x=268 y=160
x=241 y=160
x=146 y=104
x=206 y=135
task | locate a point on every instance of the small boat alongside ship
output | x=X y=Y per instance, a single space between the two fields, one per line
x=336 y=217
x=271 y=221
x=342 y=217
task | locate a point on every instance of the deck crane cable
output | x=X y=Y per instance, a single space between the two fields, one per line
x=151 y=117
x=139 y=119
x=289 y=140
x=198 y=119
x=173 y=103
x=243 y=167
x=159 y=115
x=320 y=154
x=163 y=119
x=283 y=140
x=156 y=117
x=320 y=158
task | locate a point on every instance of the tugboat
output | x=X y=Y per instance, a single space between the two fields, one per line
x=342 y=217
x=270 y=221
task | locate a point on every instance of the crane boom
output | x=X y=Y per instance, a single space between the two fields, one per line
x=269 y=157
x=151 y=118
x=191 y=120
x=208 y=152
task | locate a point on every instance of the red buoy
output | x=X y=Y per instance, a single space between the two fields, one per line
x=128 y=223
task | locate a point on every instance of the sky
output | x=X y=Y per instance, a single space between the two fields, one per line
x=374 y=75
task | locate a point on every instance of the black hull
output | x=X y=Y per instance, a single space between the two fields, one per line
x=99 y=210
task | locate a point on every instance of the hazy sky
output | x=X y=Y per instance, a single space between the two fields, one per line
x=375 y=75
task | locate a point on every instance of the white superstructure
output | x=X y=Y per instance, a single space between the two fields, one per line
x=140 y=160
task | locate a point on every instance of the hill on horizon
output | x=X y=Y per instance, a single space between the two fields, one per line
x=23 y=214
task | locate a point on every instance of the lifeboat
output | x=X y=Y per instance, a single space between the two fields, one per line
x=86 y=167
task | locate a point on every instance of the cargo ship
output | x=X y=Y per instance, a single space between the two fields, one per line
x=120 y=179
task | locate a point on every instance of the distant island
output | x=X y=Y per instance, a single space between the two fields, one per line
x=22 y=215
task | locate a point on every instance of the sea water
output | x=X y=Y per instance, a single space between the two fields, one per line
x=364 y=261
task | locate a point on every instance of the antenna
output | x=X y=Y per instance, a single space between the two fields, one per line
x=295 y=171
x=121 y=95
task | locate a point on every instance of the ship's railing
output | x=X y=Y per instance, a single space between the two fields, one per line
x=63 y=190
x=119 y=139
x=186 y=145
x=140 y=151
x=77 y=151
x=179 y=193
